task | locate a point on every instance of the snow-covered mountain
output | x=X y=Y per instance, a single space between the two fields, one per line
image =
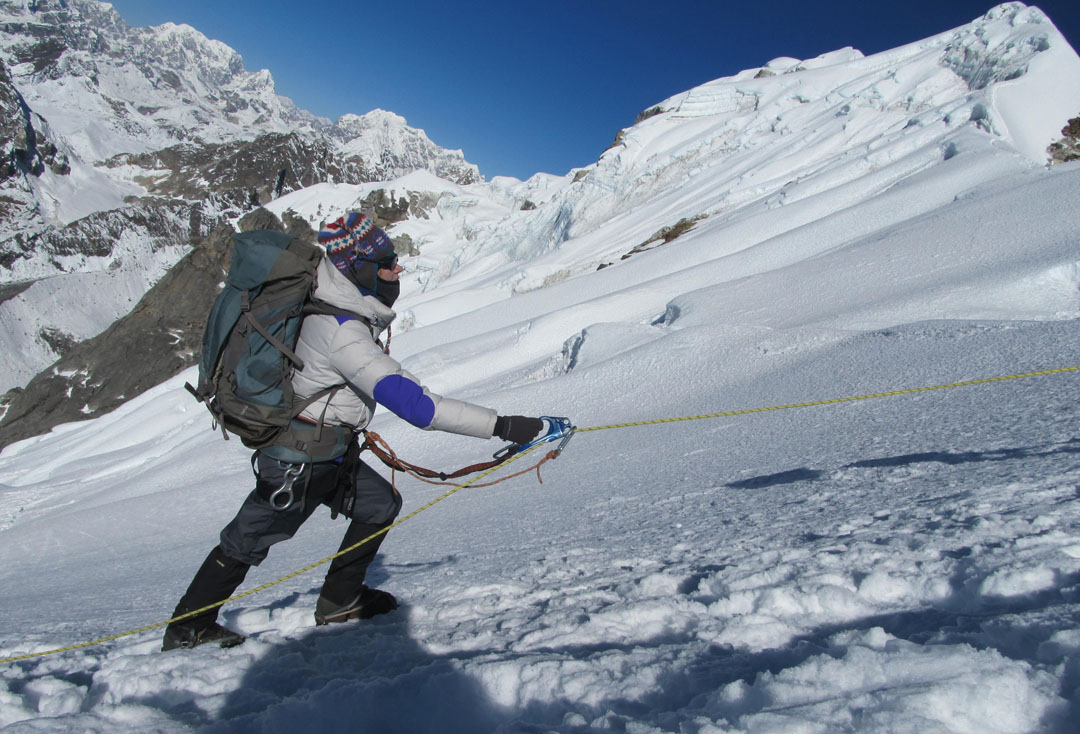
x=803 y=231
x=105 y=121
x=106 y=89
x=814 y=137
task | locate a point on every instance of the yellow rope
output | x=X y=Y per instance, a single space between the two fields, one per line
x=831 y=401
x=745 y=411
x=268 y=584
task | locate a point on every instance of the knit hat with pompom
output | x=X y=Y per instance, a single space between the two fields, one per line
x=354 y=237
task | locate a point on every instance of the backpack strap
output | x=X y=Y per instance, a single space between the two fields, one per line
x=314 y=306
x=342 y=315
x=277 y=343
x=215 y=410
x=326 y=392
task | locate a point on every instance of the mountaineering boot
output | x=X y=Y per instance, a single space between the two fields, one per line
x=182 y=635
x=344 y=595
x=215 y=581
x=365 y=605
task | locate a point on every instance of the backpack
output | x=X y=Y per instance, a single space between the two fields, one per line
x=247 y=362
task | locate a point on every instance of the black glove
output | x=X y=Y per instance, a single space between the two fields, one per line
x=517 y=428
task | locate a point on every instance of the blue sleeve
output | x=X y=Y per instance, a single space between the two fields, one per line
x=406 y=399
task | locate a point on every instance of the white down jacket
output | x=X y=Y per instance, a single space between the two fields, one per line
x=337 y=350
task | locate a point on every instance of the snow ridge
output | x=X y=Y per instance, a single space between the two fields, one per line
x=813 y=136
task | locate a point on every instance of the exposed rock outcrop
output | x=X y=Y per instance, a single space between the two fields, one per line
x=1068 y=148
x=162 y=335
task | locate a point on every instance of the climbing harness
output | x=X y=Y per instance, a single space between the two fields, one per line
x=559 y=428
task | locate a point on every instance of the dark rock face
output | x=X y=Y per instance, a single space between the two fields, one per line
x=24 y=151
x=244 y=174
x=16 y=133
x=384 y=209
x=160 y=222
x=16 y=200
x=162 y=334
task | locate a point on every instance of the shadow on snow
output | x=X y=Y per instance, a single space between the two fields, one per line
x=804 y=474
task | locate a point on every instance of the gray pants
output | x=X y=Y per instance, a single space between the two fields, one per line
x=246 y=540
x=258 y=525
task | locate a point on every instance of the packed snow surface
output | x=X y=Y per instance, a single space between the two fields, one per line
x=897 y=564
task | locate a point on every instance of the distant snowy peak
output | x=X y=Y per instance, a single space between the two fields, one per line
x=125 y=113
x=352 y=126
x=182 y=47
x=1013 y=48
x=121 y=147
x=143 y=89
x=384 y=137
x=146 y=89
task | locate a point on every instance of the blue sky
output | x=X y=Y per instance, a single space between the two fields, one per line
x=529 y=87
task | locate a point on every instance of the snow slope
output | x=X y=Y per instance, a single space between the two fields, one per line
x=912 y=127
x=909 y=563
x=81 y=303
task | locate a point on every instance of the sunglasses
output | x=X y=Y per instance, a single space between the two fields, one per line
x=386 y=263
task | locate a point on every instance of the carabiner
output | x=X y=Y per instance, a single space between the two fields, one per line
x=282 y=497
